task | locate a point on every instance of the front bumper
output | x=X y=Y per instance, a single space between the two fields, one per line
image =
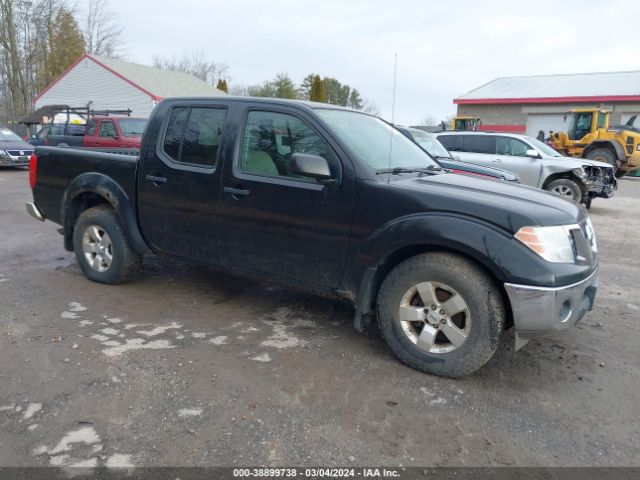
x=11 y=161
x=542 y=310
x=34 y=211
x=603 y=186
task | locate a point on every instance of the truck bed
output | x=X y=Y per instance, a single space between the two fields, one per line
x=59 y=167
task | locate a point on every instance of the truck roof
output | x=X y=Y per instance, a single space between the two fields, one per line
x=270 y=101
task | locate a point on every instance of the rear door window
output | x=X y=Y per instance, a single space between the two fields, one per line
x=478 y=144
x=193 y=135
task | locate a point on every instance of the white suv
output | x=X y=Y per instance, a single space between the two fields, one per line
x=537 y=164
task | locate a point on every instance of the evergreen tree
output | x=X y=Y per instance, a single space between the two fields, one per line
x=305 y=87
x=66 y=45
x=222 y=85
x=318 y=92
x=355 y=100
x=280 y=87
x=337 y=93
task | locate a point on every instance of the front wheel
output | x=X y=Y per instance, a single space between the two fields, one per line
x=441 y=314
x=566 y=188
x=102 y=248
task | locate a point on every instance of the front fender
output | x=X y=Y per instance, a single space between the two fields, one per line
x=506 y=259
x=406 y=236
x=470 y=236
x=110 y=191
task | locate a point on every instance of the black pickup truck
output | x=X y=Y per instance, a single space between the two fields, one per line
x=339 y=203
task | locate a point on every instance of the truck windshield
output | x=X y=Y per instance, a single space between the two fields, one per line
x=374 y=141
x=7 y=135
x=132 y=127
x=543 y=147
x=430 y=143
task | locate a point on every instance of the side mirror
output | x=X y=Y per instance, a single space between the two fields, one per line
x=311 y=166
x=531 y=153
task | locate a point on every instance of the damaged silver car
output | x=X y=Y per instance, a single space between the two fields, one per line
x=537 y=164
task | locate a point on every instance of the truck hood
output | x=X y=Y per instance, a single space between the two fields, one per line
x=571 y=162
x=15 y=145
x=510 y=206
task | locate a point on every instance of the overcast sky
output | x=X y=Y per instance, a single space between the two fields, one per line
x=444 y=48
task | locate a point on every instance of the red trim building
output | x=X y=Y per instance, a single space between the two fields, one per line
x=108 y=83
x=530 y=104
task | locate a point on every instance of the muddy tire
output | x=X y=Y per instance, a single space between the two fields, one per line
x=566 y=188
x=441 y=314
x=102 y=248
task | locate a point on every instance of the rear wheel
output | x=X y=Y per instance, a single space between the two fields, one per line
x=566 y=188
x=102 y=248
x=441 y=314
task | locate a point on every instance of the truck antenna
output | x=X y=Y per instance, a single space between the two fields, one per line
x=393 y=112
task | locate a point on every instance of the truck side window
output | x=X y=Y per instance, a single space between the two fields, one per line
x=91 y=128
x=107 y=129
x=478 y=144
x=511 y=146
x=193 y=135
x=202 y=136
x=270 y=139
x=175 y=132
x=450 y=143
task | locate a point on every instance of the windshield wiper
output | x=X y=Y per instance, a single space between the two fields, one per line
x=432 y=169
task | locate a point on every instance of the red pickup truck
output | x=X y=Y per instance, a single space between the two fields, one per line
x=114 y=132
x=99 y=132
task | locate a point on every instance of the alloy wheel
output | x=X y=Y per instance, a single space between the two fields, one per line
x=97 y=248
x=434 y=317
x=563 y=191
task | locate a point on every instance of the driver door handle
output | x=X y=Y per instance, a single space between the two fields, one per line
x=156 y=180
x=497 y=160
x=236 y=192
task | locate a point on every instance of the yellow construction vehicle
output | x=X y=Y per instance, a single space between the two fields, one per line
x=462 y=122
x=590 y=136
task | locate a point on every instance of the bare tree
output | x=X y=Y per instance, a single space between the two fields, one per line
x=17 y=45
x=102 y=33
x=38 y=40
x=194 y=63
x=239 y=90
x=428 y=121
x=369 y=107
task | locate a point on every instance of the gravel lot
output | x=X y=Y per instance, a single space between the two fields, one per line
x=188 y=366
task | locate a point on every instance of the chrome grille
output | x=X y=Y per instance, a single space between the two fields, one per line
x=20 y=153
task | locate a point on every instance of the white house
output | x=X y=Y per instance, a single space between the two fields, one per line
x=109 y=83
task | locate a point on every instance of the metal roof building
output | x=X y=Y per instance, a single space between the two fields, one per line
x=109 y=83
x=531 y=104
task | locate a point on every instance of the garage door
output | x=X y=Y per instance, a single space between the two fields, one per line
x=627 y=116
x=545 y=122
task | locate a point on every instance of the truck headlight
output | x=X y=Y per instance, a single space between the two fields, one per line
x=554 y=244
